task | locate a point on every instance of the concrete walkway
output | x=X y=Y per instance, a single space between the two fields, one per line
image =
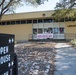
x=65 y=60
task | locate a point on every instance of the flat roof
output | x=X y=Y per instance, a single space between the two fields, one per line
x=27 y=15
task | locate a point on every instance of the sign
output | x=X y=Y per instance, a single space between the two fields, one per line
x=8 y=72
x=7 y=40
x=6 y=54
x=44 y=36
x=71 y=26
x=6 y=62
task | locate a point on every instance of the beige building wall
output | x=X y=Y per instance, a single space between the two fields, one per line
x=28 y=15
x=21 y=32
x=70 y=28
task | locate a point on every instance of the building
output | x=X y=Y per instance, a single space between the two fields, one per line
x=37 y=25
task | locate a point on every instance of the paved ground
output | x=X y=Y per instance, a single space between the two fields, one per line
x=46 y=58
x=35 y=58
x=65 y=59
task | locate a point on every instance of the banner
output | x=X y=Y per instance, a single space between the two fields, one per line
x=44 y=36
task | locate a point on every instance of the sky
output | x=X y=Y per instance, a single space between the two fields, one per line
x=44 y=7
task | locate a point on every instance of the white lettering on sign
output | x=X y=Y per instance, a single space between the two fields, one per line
x=4 y=50
x=10 y=64
x=4 y=59
x=10 y=71
x=6 y=73
x=11 y=40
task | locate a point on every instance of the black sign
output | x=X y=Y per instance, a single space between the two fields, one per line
x=6 y=62
x=8 y=72
x=6 y=42
x=7 y=54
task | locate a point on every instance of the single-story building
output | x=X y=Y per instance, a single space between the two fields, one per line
x=37 y=25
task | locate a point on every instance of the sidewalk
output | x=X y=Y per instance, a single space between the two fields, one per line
x=65 y=60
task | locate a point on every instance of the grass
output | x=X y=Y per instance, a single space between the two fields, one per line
x=73 y=42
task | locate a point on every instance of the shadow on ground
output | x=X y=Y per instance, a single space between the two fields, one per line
x=36 y=58
x=65 y=60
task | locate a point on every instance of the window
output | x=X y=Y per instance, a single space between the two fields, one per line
x=40 y=31
x=61 y=30
x=40 y=21
x=45 y=30
x=55 y=20
x=34 y=21
x=50 y=30
x=12 y=22
x=66 y=19
x=73 y=19
x=69 y=19
x=17 y=22
x=56 y=30
x=3 y=23
x=47 y=20
x=62 y=20
x=23 y=21
x=8 y=22
x=29 y=21
x=0 y=23
x=34 y=31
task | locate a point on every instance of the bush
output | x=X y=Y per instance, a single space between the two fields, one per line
x=73 y=42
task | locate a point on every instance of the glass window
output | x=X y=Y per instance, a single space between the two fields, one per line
x=62 y=20
x=0 y=23
x=55 y=20
x=34 y=21
x=39 y=30
x=61 y=30
x=29 y=21
x=17 y=22
x=47 y=20
x=3 y=23
x=12 y=22
x=34 y=31
x=66 y=19
x=56 y=30
x=69 y=19
x=73 y=19
x=50 y=30
x=8 y=22
x=40 y=21
x=23 y=21
x=45 y=30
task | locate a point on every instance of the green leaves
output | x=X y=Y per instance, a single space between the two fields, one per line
x=65 y=8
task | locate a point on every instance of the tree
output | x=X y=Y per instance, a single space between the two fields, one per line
x=65 y=8
x=10 y=5
x=66 y=4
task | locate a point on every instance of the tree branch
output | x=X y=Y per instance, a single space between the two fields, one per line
x=2 y=3
x=7 y=5
x=5 y=11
